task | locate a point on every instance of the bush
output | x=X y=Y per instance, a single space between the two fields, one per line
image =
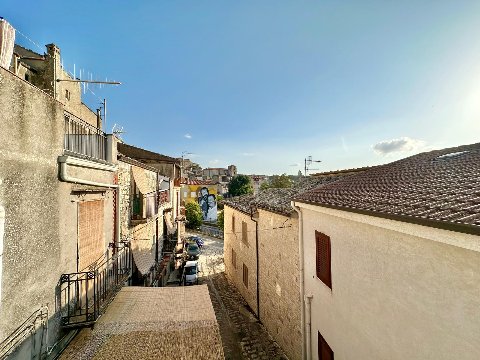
x=194 y=216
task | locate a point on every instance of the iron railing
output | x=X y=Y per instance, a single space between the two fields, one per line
x=28 y=329
x=84 y=295
x=82 y=138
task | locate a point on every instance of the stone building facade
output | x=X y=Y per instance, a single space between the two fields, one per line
x=58 y=209
x=269 y=220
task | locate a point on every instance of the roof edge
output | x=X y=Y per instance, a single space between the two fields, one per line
x=462 y=228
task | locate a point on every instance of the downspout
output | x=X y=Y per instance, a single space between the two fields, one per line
x=257 y=262
x=308 y=302
x=301 y=265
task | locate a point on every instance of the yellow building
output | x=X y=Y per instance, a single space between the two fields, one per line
x=204 y=192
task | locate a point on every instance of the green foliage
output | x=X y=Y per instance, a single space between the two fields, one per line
x=277 y=181
x=219 y=202
x=240 y=185
x=193 y=213
x=220 y=219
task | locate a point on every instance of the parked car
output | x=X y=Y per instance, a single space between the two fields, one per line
x=199 y=241
x=193 y=251
x=190 y=273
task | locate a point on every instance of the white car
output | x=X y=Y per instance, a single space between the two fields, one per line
x=190 y=273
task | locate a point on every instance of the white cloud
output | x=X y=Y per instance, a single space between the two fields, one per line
x=344 y=144
x=248 y=154
x=296 y=164
x=214 y=162
x=403 y=144
x=188 y=136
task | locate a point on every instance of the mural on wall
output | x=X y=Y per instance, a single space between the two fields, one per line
x=208 y=204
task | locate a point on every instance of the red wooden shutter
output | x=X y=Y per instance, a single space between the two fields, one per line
x=323 y=258
x=324 y=350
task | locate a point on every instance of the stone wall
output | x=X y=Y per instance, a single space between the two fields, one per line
x=279 y=288
x=245 y=254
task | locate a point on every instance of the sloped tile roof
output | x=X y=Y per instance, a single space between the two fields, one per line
x=278 y=199
x=142 y=154
x=441 y=186
x=198 y=182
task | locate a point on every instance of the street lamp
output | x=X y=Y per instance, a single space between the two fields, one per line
x=308 y=162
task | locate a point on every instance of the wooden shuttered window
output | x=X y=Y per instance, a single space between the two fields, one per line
x=233 y=224
x=324 y=350
x=234 y=259
x=245 y=275
x=323 y=258
x=244 y=233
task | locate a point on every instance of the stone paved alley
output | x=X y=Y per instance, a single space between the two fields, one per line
x=242 y=335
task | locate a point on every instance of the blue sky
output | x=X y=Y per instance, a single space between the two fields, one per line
x=263 y=84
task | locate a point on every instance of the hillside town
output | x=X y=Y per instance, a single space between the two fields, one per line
x=111 y=250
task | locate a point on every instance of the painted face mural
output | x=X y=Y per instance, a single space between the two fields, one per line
x=208 y=204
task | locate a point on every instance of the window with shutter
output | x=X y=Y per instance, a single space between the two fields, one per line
x=244 y=233
x=323 y=261
x=324 y=350
x=233 y=224
x=245 y=276
x=234 y=259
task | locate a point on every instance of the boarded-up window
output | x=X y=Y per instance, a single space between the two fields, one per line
x=324 y=350
x=323 y=258
x=234 y=259
x=245 y=275
x=244 y=233
x=91 y=243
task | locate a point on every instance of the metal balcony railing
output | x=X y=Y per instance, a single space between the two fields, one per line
x=82 y=138
x=84 y=295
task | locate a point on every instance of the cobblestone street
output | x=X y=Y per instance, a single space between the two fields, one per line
x=243 y=336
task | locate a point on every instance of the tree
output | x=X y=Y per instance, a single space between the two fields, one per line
x=277 y=181
x=240 y=185
x=193 y=213
x=220 y=220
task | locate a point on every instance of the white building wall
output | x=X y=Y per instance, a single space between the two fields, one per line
x=399 y=290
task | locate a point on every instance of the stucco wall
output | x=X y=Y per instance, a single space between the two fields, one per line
x=279 y=280
x=246 y=254
x=40 y=239
x=399 y=291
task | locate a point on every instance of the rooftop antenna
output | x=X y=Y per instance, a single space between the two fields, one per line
x=117 y=130
x=308 y=162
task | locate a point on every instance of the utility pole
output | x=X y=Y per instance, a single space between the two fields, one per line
x=308 y=162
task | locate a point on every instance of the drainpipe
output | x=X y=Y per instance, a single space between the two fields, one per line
x=308 y=302
x=301 y=265
x=256 y=257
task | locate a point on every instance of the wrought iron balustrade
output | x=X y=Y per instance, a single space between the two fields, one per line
x=82 y=138
x=84 y=295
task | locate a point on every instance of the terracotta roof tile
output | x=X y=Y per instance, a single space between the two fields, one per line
x=441 y=186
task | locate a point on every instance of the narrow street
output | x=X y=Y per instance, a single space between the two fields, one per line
x=242 y=335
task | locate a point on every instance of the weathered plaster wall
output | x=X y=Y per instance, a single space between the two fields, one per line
x=246 y=254
x=399 y=290
x=40 y=239
x=279 y=288
x=36 y=252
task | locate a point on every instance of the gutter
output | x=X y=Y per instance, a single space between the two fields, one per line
x=68 y=160
x=301 y=265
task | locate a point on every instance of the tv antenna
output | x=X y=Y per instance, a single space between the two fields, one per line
x=118 y=130
x=308 y=162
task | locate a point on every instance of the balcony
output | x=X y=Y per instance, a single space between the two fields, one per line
x=83 y=139
x=84 y=296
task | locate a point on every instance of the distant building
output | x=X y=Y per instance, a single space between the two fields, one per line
x=257 y=181
x=222 y=176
